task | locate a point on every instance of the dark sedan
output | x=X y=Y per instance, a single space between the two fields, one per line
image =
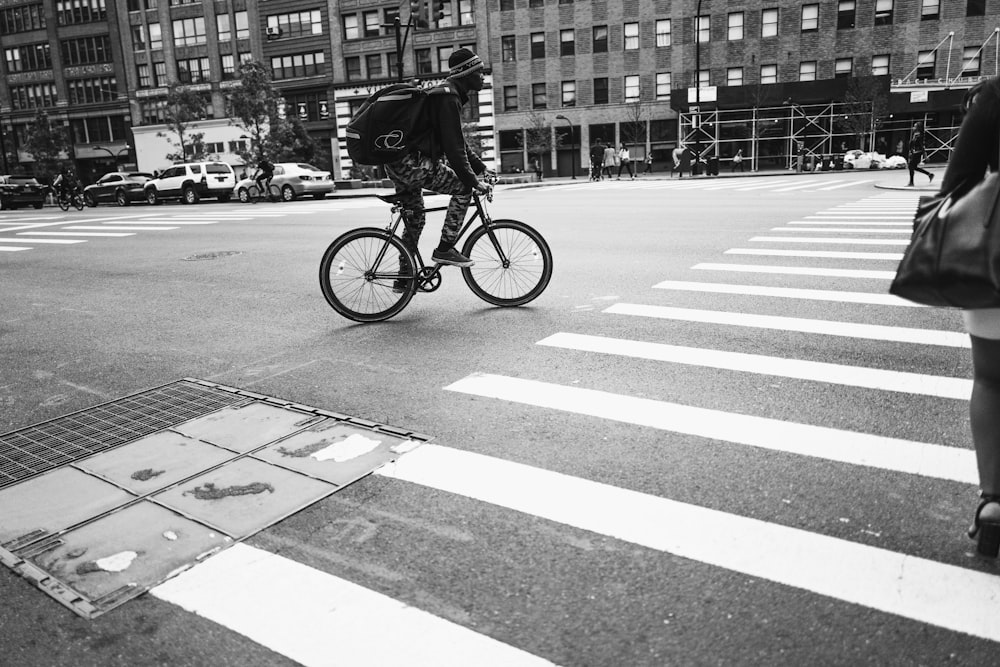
x=17 y=190
x=121 y=187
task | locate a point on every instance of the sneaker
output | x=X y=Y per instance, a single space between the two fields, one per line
x=451 y=257
x=400 y=285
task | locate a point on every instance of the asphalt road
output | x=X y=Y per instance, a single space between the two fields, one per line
x=637 y=529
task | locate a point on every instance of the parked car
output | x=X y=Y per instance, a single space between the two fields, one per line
x=294 y=179
x=191 y=182
x=18 y=190
x=121 y=187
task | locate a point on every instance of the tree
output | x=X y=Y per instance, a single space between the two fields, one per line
x=184 y=106
x=538 y=138
x=253 y=107
x=473 y=139
x=288 y=141
x=633 y=129
x=48 y=144
x=867 y=105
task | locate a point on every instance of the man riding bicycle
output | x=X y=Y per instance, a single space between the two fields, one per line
x=265 y=172
x=65 y=182
x=425 y=166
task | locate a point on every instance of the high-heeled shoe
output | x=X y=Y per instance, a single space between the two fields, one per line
x=986 y=531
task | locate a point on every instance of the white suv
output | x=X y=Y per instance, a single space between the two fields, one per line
x=192 y=181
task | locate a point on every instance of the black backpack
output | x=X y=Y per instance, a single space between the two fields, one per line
x=384 y=128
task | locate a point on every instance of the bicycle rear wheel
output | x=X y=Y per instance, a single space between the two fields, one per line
x=358 y=274
x=78 y=202
x=513 y=269
x=63 y=202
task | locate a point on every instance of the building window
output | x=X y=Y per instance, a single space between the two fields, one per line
x=975 y=8
x=155 y=36
x=506 y=5
x=242 y=25
x=22 y=19
x=229 y=64
x=88 y=91
x=662 y=85
x=33 y=96
x=769 y=74
x=351 y=29
x=510 y=98
x=443 y=53
x=631 y=88
x=423 y=57
x=880 y=65
x=538 y=100
x=143 y=76
x=86 y=50
x=310 y=106
x=298 y=65
x=373 y=65
x=154 y=112
x=970 y=60
x=810 y=18
x=631 y=36
x=930 y=9
x=846 y=11
x=769 y=22
x=537 y=45
x=734 y=76
x=601 y=38
x=389 y=16
x=223 y=27
x=734 y=25
x=536 y=4
x=704 y=78
x=189 y=32
x=663 y=32
x=466 y=12
x=843 y=68
x=373 y=24
x=80 y=11
x=138 y=37
x=601 y=90
x=926 y=60
x=704 y=31
x=139 y=5
x=883 y=12
x=508 y=48
x=160 y=74
x=567 y=43
x=28 y=58
x=302 y=24
x=193 y=70
x=569 y=93
x=352 y=65
x=807 y=70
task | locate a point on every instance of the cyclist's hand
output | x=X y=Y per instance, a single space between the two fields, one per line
x=490 y=176
x=483 y=187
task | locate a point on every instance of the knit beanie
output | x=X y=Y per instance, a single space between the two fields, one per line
x=462 y=62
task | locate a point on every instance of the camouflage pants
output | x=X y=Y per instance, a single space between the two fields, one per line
x=414 y=173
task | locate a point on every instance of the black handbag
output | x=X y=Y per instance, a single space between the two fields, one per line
x=953 y=259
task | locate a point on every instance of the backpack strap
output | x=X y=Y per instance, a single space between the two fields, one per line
x=442 y=89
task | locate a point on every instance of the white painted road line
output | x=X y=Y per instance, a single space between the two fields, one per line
x=171 y=221
x=830 y=254
x=788 y=293
x=797 y=324
x=845 y=185
x=942 y=595
x=796 y=270
x=74 y=234
x=854 y=214
x=58 y=241
x=790 y=188
x=798 y=239
x=120 y=228
x=317 y=619
x=846 y=230
x=798 y=369
x=7 y=248
x=847 y=223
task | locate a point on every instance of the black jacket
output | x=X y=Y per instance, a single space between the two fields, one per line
x=443 y=135
x=978 y=141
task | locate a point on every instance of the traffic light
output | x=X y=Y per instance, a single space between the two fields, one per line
x=439 y=7
x=418 y=13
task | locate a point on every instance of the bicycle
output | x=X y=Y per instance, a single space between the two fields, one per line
x=254 y=194
x=368 y=275
x=70 y=197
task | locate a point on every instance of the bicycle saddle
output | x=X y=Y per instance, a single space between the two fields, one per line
x=393 y=199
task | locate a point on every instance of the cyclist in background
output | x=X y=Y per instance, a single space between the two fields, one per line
x=265 y=172
x=64 y=181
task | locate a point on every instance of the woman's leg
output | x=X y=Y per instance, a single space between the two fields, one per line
x=984 y=406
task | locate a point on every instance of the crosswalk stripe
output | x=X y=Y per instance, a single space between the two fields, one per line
x=849 y=223
x=799 y=369
x=845 y=230
x=788 y=293
x=113 y=234
x=317 y=619
x=943 y=595
x=846 y=185
x=171 y=221
x=53 y=241
x=120 y=228
x=7 y=248
x=881 y=216
x=831 y=254
x=798 y=239
x=798 y=324
x=796 y=270
x=791 y=188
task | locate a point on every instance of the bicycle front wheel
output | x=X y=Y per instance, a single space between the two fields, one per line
x=63 y=203
x=361 y=272
x=513 y=263
x=78 y=202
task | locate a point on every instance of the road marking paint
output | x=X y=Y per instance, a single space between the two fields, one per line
x=59 y=241
x=798 y=369
x=923 y=590
x=171 y=221
x=848 y=223
x=789 y=293
x=881 y=216
x=850 y=230
x=798 y=239
x=845 y=185
x=74 y=234
x=765 y=186
x=797 y=270
x=790 y=188
x=832 y=254
x=7 y=248
x=798 y=324
x=315 y=618
x=120 y=228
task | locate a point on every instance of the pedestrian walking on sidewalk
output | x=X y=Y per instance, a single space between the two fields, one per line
x=624 y=162
x=610 y=160
x=916 y=154
x=738 y=161
x=649 y=164
x=536 y=166
x=597 y=161
x=679 y=159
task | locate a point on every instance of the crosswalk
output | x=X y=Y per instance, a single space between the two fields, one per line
x=941 y=595
x=777 y=184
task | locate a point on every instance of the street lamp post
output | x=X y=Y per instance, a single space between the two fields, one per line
x=110 y=152
x=572 y=140
x=696 y=167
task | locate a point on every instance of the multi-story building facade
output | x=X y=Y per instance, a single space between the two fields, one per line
x=754 y=74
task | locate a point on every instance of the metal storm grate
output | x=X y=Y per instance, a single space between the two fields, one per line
x=35 y=449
